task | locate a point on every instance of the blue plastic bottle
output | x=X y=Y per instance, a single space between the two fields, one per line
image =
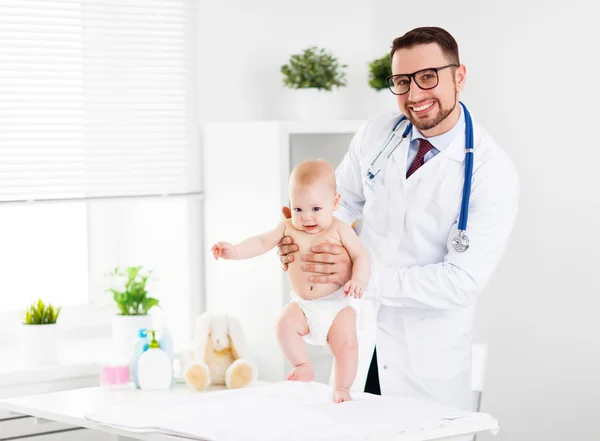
x=140 y=347
x=166 y=344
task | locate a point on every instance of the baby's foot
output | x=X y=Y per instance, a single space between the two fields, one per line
x=302 y=372
x=341 y=395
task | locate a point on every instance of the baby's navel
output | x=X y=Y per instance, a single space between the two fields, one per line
x=311 y=288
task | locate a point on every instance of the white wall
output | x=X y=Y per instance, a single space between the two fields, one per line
x=243 y=44
x=158 y=234
x=533 y=76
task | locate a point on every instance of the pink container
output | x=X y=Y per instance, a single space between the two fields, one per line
x=114 y=375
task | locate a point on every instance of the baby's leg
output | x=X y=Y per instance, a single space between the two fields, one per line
x=344 y=347
x=291 y=328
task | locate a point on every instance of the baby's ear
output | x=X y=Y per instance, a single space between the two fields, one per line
x=336 y=201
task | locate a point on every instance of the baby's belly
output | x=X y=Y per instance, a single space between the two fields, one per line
x=302 y=287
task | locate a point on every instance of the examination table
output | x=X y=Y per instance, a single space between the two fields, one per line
x=282 y=411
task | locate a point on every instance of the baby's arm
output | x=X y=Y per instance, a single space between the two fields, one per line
x=361 y=266
x=251 y=247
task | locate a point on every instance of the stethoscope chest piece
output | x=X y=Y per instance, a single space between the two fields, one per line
x=460 y=242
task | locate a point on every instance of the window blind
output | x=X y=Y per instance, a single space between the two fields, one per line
x=97 y=99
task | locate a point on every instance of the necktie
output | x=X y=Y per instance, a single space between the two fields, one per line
x=424 y=147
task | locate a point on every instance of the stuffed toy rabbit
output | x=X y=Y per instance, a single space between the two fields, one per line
x=220 y=355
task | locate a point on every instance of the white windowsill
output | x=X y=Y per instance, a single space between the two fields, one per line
x=78 y=358
x=76 y=323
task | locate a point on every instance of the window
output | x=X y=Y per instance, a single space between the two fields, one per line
x=96 y=105
x=43 y=253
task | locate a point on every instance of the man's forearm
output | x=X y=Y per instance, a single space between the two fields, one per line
x=439 y=286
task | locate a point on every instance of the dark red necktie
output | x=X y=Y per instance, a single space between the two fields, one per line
x=424 y=147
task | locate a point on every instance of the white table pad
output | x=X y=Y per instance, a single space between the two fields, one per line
x=290 y=411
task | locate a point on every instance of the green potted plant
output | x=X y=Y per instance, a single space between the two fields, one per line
x=129 y=287
x=40 y=334
x=314 y=74
x=379 y=70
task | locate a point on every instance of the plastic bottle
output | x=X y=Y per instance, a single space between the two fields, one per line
x=155 y=369
x=166 y=344
x=139 y=348
x=166 y=341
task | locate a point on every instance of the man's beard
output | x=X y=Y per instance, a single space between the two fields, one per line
x=429 y=124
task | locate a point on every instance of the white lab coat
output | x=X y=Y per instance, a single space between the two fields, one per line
x=422 y=292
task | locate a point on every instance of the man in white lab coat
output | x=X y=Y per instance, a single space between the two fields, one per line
x=422 y=291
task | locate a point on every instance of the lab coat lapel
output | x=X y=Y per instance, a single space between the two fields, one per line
x=399 y=158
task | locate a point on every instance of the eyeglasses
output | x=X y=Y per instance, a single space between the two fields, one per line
x=426 y=79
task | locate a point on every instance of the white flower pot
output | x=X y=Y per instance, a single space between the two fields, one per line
x=318 y=104
x=125 y=332
x=40 y=343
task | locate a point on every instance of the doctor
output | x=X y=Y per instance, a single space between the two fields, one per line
x=423 y=291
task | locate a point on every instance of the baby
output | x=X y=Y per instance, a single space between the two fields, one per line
x=320 y=314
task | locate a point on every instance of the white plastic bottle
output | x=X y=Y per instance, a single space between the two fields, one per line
x=155 y=368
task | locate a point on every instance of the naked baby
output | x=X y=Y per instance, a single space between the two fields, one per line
x=320 y=314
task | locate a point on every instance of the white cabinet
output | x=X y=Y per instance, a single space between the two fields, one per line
x=246 y=170
x=27 y=427
x=18 y=426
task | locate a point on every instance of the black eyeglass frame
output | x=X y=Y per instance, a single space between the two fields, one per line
x=414 y=80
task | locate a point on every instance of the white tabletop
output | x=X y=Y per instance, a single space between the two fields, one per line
x=71 y=407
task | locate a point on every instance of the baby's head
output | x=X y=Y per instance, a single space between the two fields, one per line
x=313 y=196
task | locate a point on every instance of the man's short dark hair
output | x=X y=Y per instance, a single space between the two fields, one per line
x=428 y=35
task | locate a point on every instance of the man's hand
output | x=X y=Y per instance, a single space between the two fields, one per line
x=331 y=262
x=286 y=244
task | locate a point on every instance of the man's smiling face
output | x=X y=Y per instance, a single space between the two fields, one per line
x=428 y=109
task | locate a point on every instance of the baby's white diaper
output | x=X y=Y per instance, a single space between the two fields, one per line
x=320 y=314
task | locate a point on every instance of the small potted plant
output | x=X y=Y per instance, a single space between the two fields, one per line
x=130 y=293
x=379 y=70
x=40 y=334
x=314 y=74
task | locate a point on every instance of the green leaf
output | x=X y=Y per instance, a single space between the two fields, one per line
x=148 y=303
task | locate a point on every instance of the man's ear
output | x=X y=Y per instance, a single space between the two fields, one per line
x=460 y=77
x=336 y=201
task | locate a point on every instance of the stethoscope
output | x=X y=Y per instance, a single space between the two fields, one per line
x=460 y=242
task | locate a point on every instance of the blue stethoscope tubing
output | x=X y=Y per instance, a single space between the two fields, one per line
x=461 y=241
x=464 y=209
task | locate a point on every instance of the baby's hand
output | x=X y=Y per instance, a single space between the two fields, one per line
x=355 y=288
x=224 y=250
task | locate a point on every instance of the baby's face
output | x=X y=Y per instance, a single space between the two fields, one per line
x=312 y=207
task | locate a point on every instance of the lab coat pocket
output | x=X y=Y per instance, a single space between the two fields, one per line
x=375 y=213
x=438 y=346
